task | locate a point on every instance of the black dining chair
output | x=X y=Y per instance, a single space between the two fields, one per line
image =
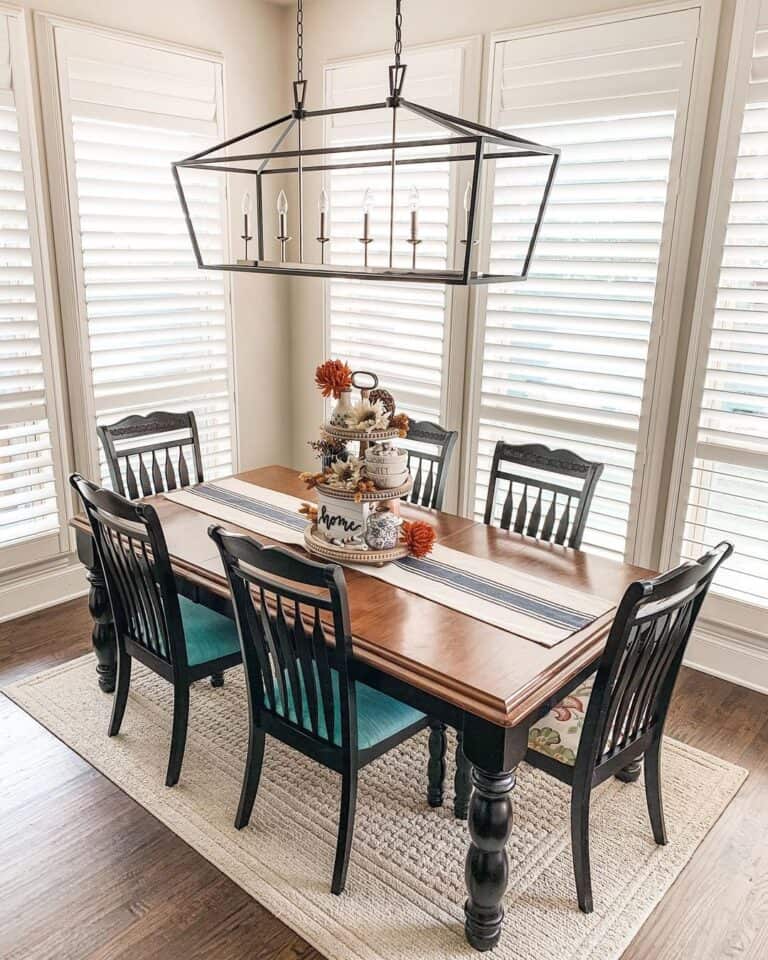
x=293 y=620
x=179 y=640
x=430 y=449
x=535 y=505
x=611 y=721
x=524 y=499
x=151 y=454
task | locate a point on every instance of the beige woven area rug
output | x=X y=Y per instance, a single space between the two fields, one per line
x=405 y=890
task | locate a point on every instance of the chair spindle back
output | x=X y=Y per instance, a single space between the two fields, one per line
x=293 y=620
x=131 y=548
x=428 y=462
x=151 y=454
x=535 y=506
x=643 y=655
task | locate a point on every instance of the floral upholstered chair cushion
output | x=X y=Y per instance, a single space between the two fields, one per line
x=558 y=733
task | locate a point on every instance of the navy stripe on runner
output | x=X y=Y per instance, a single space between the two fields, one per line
x=259 y=508
x=498 y=593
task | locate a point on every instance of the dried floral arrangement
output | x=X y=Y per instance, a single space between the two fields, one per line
x=333 y=377
x=377 y=412
x=328 y=447
x=347 y=475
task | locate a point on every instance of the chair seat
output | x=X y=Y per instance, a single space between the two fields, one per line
x=209 y=635
x=378 y=716
x=558 y=733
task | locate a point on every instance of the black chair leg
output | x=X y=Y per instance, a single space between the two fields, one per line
x=217 y=679
x=653 y=791
x=436 y=765
x=346 y=828
x=124 y=662
x=580 y=846
x=179 y=734
x=251 y=777
x=631 y=772
x=462 y=781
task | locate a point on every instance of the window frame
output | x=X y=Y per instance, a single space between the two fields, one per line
x=64 y=212
x=660 y=365
x=721 y=610
x=48 y=546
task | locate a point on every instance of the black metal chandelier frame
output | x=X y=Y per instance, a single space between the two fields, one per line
x=478 y=142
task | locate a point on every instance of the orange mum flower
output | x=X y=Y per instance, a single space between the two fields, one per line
x=418 y=536
x=332 y=377
x=311 y=479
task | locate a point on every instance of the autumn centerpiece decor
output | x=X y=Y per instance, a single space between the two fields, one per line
x=418 y=536
x=333 y=377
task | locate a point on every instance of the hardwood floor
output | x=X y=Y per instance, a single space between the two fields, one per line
x=88 y=874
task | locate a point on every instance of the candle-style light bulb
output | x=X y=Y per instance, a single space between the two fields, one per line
x=467 y=205
x=413 y=201
x=366 y=237
x=246 y=234
x=323 y=205
x=282 y=218
x=368 y=200
x=282 y=203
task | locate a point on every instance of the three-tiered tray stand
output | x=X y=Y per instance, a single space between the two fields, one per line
x=317 y=544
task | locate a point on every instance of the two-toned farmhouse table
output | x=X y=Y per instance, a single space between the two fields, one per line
x=487 y=683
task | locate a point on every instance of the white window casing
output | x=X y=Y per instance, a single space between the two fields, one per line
x=33 y=501
x=148 y=329
x=570 y=358
x=720 y=475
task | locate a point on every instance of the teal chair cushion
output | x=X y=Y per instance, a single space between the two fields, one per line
x=209 y=635
x=378 y=715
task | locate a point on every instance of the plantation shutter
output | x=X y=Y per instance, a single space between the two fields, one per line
x=157 y=332
x=565 y=353
x=727 y=493
x=30 y=480
x=397 y=330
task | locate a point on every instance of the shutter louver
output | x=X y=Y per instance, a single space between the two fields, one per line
x=399 y=332
x=728 y=492
x=565 y=353
x=157 y=326
x=29 y=508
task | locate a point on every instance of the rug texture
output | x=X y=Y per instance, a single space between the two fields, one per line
x=405 y=889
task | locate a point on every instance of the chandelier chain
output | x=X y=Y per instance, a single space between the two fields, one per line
x=300 y=40
x=398 y=31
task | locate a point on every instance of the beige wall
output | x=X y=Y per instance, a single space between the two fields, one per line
x=248 y=33
x=337 y=29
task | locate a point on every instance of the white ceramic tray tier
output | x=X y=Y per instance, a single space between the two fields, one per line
x=318 y=546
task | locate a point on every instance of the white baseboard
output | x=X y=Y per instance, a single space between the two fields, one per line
x=35 y=590
x=742 y=658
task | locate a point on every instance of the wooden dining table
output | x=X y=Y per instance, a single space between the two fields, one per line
x=490 y=685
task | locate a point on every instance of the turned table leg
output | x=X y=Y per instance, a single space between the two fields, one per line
x=494 y=753
x=462 y=781
x=103 y=634
x=436 y=765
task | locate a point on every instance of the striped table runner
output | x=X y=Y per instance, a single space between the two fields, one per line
x=526 y=606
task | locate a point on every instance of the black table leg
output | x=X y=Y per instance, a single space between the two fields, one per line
x=103 y=634
x=494 y=753
x=631 y=772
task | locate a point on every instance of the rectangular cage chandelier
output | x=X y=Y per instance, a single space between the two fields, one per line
x=287 y=157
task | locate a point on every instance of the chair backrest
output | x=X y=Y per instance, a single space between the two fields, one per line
x=535 y=505
x=131 y=548
x=293 y=619
x=428 y=462
x=642 y=658
x=150 y=454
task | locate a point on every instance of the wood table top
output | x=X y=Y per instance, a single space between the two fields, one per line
x=477 y=667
